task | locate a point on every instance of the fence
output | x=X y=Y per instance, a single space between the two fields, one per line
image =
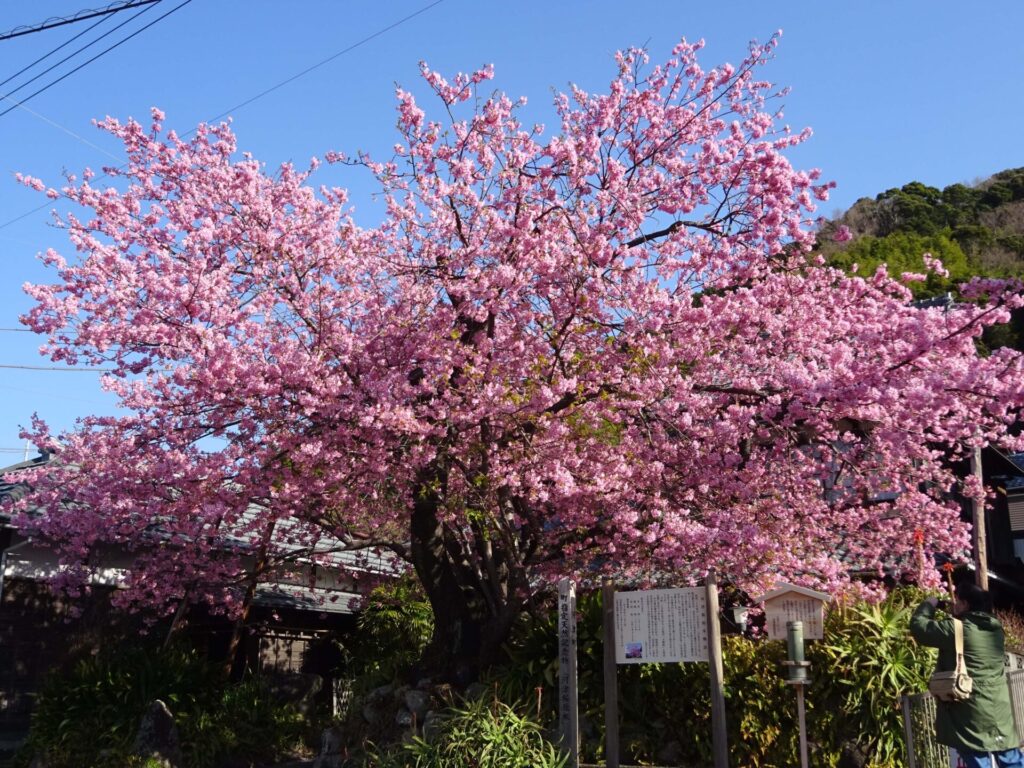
x=341 y=697
x=919 y=724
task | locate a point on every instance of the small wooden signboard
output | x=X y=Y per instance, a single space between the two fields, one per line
x=792 y=603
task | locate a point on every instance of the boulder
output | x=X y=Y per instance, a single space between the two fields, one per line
x=332 y=748
x=295 y=688
x=417 y=702
x=157 y=739
x=432 y=726
x=404 y=718
x=378 y=703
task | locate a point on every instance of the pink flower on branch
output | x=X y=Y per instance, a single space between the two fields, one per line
x=604 y=350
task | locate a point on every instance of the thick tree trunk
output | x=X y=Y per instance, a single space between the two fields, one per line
x=470 y=622
x=233 y=666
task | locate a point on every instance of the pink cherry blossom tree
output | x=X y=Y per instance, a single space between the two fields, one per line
x=607 y=350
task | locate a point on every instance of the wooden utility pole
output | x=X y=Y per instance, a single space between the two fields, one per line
x=978 y=525
x=719 y=740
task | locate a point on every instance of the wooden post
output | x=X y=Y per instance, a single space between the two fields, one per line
x=611 y=693
x=978 y=526
x=568 y=697
x=719 y=738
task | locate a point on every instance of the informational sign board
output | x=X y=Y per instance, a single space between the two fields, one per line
x=661 y=626
x=793 y=603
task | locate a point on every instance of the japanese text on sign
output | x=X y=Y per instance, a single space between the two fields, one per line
x=794 y=608
x=661 y=625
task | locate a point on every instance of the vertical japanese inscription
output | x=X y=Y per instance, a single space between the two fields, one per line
x=568 y=712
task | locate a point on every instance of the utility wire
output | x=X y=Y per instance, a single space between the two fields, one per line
x=71 y=56
x=366 y=39
x=68 y=131
x=88 y=13
x=53 y=51
x=58 y=368
x=330 y=58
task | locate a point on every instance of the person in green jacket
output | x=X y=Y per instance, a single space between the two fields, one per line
x=983 y=724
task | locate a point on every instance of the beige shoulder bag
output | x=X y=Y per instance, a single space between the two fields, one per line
x=955 y=685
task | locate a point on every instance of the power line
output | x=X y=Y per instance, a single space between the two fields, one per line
x=57 y=21
x=330 y=58
x=58 y=368
x=54 y=50
x=71 y=56
x=352 y=47
x=68 y=131
x=98 y=55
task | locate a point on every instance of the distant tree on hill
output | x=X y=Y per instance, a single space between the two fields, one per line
x=976 y=231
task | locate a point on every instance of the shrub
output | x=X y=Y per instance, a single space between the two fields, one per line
x=1013 y=626
x=866 y=661
x=90 y=714
x=476 y=734
x=394 y=627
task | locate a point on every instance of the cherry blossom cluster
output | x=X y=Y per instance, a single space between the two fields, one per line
x=607 y=350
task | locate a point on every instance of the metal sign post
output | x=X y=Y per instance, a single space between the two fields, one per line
x=796 y=675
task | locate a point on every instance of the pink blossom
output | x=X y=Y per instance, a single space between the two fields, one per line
x=842 y=234
x=603 y=350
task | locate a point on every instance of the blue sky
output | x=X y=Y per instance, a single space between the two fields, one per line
x=895 y=92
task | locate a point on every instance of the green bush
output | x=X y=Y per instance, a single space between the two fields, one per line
x=394 y=627
x=1013 y=626
x=89 y=715
x=866 y=661
x=476 y=734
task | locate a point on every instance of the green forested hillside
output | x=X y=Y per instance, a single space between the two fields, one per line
x=974 y=230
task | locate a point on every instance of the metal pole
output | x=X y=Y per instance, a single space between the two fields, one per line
x=611 y=693
x=803 y=724
x=978 y=525
x=797 y=676
x=719 y=738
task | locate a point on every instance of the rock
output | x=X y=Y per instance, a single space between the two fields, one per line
x=380 y=695
x=417 y=702
x=852 y=756
x=157 y=740
x=378 y=703
x=295 y=688
x=332 y=748
x=404 y=718
x=670 y=754
x=476 y=691
x=432 y=722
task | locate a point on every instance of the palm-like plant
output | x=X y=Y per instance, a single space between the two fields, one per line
x=870 y=662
